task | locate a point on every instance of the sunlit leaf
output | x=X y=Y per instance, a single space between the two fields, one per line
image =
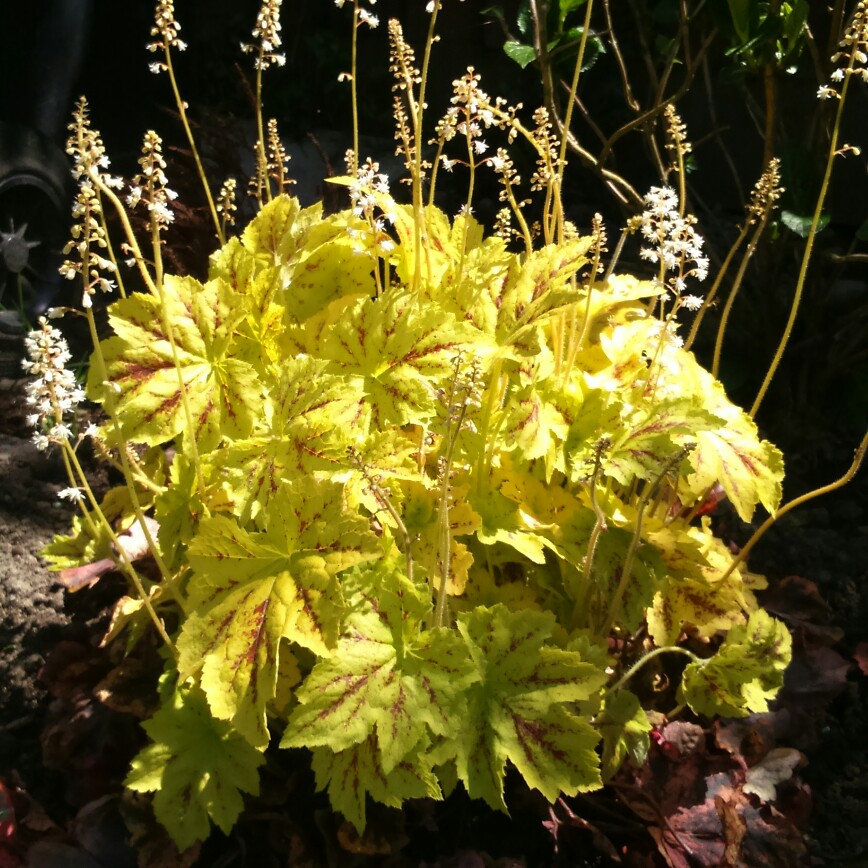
x=197 y=766
x=250 y=590
x=745 y=673
x=519 y=710
x=222 y=392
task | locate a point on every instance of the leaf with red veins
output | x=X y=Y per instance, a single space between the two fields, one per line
x=249 y=590
x=386 y=678
x=223 y=393
x=403 y=351
x=521 y=708
x=352 y=774
x=316 y=416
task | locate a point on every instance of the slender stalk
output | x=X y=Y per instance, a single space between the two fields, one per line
x=125 y=562
x=809 y=249
x=733 y=292
x=665 y=649
x=798 y=501
x=568 y=119
x=182 y=111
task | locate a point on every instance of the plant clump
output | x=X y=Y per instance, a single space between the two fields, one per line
x=421 y=499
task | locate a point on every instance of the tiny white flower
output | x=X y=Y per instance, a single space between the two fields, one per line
x=74 y=495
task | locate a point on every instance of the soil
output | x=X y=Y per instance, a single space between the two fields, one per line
x=63 y=754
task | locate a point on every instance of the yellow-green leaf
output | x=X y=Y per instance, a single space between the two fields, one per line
x=249 y=590
x=197 y=766
x=222 y=392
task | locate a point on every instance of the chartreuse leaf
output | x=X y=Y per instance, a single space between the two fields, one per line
x=625 y=729
x=223 y=392
x=353 y=773
x=280 y=228
x=538 y=288
x=647 y=441
x=519 y=709
x=402 y=350
x=386 y=677
x=315 y=416
x=749 y=469
x=692 y=593
x=439 y=248
x=745 y=673
x=197 y=766
x=249 y=590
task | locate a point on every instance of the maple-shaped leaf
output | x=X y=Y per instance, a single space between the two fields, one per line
x=249 y=590
x=385 y=677
x=197 y=766
x=646 y=440
x=314 y=416
x=233 y=263
x=403 y=352
x=745 y=673
x=223 y=393
x=280 y=229
x=537 y=422
x=537 y=288
x=625 y=729
x=352 y=774
x=749 y=469
x=519 y=709
x=692 y=593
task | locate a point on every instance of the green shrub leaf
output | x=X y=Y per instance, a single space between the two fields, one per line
x=746 y=672
x=252 y=589
x=197 y=766
x=519 y=709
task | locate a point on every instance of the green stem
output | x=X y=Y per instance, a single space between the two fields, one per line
x=666 y=649
x=182 y=111
x=809 y=248
x=125 y=563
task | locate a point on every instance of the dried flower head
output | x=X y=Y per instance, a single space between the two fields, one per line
x=53 y=393
x=766 y=192
x=166 y=29
x=267 y=31
x=150 y=185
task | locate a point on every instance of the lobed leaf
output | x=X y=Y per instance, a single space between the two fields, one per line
x=197 y=766
x=222 y=392
x=249 y=590
x=745 y=673
x=518 y=710
x=385 y=678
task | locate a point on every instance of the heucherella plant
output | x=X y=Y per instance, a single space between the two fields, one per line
x=420 y=499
